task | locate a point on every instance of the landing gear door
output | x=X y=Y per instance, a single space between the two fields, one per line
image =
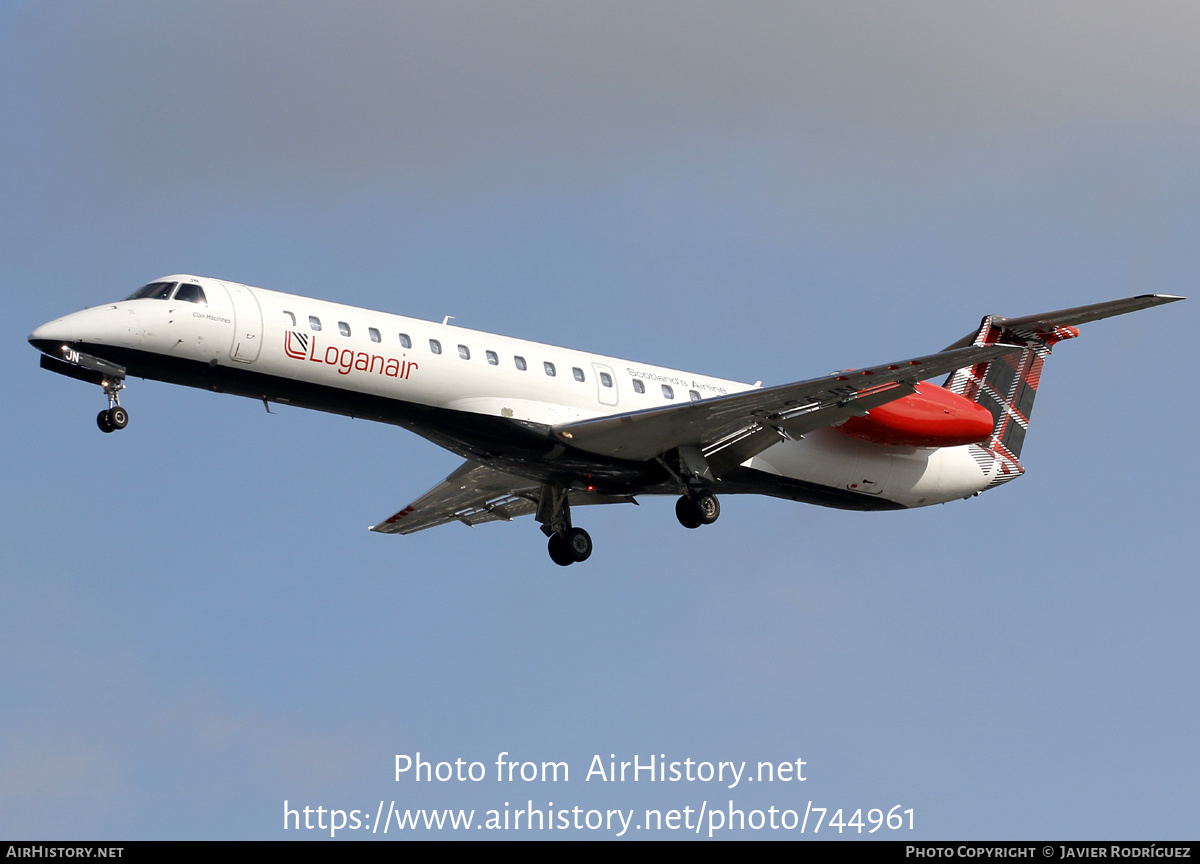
x=606 y=384
x=247 y=323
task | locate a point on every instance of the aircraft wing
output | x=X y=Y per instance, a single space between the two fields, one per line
x=728 y=429
x=740 y=425
x=475 y=494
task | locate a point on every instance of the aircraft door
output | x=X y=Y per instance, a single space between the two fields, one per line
x=606 y=384
x=247 y=323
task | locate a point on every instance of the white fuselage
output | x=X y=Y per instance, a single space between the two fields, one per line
x=283 y=346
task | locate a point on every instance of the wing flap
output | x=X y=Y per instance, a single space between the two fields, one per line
x=735 y=449
x=474 y=494
x=794 y=408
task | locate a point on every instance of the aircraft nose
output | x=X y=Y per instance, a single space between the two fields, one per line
x=53 y=334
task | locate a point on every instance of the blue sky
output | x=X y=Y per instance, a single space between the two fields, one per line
x=197 y=625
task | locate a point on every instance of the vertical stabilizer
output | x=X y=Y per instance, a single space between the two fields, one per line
x=1007 y=385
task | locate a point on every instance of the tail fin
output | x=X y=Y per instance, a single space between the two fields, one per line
x=1007 y=385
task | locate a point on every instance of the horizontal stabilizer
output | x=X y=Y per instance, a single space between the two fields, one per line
x=1073 y=317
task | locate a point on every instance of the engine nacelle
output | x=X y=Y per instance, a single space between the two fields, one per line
x=930 y=417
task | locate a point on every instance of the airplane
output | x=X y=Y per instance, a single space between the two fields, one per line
x=545 y=429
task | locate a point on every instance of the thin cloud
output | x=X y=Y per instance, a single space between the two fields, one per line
x=272 y=93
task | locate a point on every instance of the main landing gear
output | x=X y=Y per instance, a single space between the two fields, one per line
x=696 y=506
x=567 y=548
x=115 y=417
x=567 y=544
x=692 y=511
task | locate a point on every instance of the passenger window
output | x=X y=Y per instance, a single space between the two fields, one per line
x=192 y=294
x=464 y=352
x=520 y=363
x=435 y=346
x=405 y=342
x=605 y=379
x=492 y=358
x=291 y=318
x=549 y=367
x=638 y=386
x=343 y=328
x=693 y=395
x=314 y=322
x=375 y=337
x=668 y=391
x=577 y=372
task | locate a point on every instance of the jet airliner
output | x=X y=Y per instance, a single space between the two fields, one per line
x=544 y=429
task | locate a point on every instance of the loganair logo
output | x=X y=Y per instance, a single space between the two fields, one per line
x=303 y=346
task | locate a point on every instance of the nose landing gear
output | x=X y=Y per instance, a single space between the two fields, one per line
x=112 y=419
x=115 y=417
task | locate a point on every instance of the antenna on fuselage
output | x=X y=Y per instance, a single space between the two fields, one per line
x=447 y=319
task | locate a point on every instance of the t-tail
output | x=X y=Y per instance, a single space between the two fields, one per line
x=1008 y=385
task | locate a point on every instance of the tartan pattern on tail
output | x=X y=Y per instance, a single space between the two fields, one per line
x=1007 y=385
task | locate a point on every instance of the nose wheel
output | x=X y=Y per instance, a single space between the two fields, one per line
x=112 y=419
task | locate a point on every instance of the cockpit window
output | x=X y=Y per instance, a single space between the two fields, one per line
x=191 y=294
x=153 y=291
